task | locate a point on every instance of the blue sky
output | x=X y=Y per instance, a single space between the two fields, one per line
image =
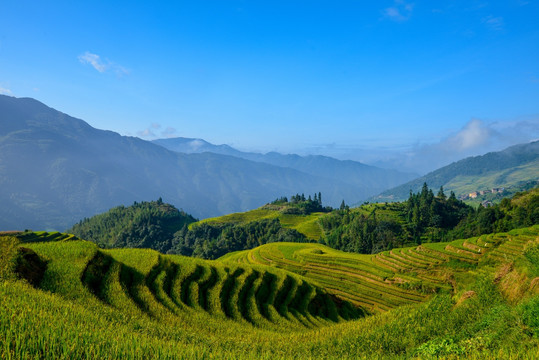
x=385 y=82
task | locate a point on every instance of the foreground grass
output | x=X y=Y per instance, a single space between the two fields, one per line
x=483 y=316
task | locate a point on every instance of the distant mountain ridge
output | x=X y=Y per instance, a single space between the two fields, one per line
x=56 y=170
x=515 y=165
x=368 y=178
x=194 y=146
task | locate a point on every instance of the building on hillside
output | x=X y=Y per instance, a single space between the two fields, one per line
x=473 y=195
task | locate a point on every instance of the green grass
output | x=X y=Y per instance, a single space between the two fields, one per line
x=240 y=218
x=138 y=304
x=305 y=224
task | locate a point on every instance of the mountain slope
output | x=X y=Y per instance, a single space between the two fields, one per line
x=369 y=180
x=56 y=170
x=513 y=166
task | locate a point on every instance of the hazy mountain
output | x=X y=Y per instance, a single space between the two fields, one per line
x=195 y=146
x=55 y=170
x=511 y=167
x=369 y=180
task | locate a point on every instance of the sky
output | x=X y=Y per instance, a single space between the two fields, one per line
x=407 y=84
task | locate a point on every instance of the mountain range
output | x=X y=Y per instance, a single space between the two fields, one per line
x=367 y=178
x=56 y=170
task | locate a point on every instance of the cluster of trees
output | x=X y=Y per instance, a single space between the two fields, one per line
x=301 y=205
x=432 y=216
x=142 y=225
x=210 y=241
x=361 y=233
x=423 y=217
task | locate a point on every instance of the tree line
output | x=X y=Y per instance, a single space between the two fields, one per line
x=210 y=241
x=424 y=217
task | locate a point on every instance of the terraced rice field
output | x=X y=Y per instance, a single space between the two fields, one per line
x=42 y=236
x=154 y=284
x=389 y=279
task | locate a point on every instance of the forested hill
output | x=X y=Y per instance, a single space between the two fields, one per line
x=513 y=166
x=142 y=225
x=162 y=227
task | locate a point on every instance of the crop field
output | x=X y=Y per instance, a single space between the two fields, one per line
x=391 y=278
x=277 y=301
x=42 y=236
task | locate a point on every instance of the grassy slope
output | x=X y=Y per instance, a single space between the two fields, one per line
x=137 y=304
x=305 y=224
x=496 y=179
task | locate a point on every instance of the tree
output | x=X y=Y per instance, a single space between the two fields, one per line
x=441 y=194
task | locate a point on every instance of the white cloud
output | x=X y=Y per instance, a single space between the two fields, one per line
x=475 y=133
x=493 y=23
x=152 y=132
x=94 y=60
x=146 y=133
x=5 y=91
x=169 y=132
x=120 y=70
x=477 y=137
x=102 y=66
x=400 y=11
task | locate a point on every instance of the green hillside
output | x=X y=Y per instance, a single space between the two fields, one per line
x=279 y=221
x=475 y=298
x=512 y=169
x=305 y=224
